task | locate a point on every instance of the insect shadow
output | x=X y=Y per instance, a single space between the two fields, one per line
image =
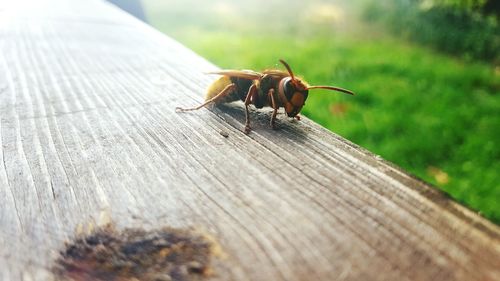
x=234 y=114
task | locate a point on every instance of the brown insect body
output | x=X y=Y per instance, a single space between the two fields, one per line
x=273 y=88
x=262 y=98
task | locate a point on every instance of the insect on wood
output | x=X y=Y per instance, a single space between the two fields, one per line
x=273 y=88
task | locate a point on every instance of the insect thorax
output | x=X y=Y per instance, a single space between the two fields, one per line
x=267 y=83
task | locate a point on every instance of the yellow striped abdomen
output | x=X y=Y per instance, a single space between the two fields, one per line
x=217 y=86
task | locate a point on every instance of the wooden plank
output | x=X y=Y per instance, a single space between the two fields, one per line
x=88 y=129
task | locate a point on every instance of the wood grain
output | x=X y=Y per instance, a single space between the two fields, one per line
x=88 y=130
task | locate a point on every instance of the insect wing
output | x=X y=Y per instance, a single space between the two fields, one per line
x=245 y=74
x=276 y=73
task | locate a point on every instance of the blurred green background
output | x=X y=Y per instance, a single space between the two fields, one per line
x=426 y=75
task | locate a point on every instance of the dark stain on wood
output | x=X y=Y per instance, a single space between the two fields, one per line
x=136 y=254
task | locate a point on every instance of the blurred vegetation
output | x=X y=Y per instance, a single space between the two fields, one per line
x=464 y=28
x=435 y=115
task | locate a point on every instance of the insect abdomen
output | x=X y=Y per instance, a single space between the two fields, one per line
x=240 y=92
x=217 y=86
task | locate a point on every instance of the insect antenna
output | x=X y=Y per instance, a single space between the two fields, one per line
x=289 y=70
x=331 y=88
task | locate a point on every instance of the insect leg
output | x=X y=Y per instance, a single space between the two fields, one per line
x=275 y=111
x=227 y=90
x=250 y=95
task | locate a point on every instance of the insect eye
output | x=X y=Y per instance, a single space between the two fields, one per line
x=289 y=90
x=305 y=93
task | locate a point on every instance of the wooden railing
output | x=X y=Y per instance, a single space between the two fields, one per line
x=88 y=130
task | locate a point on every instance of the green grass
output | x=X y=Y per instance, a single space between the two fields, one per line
x=436 y=116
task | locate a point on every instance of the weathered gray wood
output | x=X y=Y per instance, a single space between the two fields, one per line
x=87 y=127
